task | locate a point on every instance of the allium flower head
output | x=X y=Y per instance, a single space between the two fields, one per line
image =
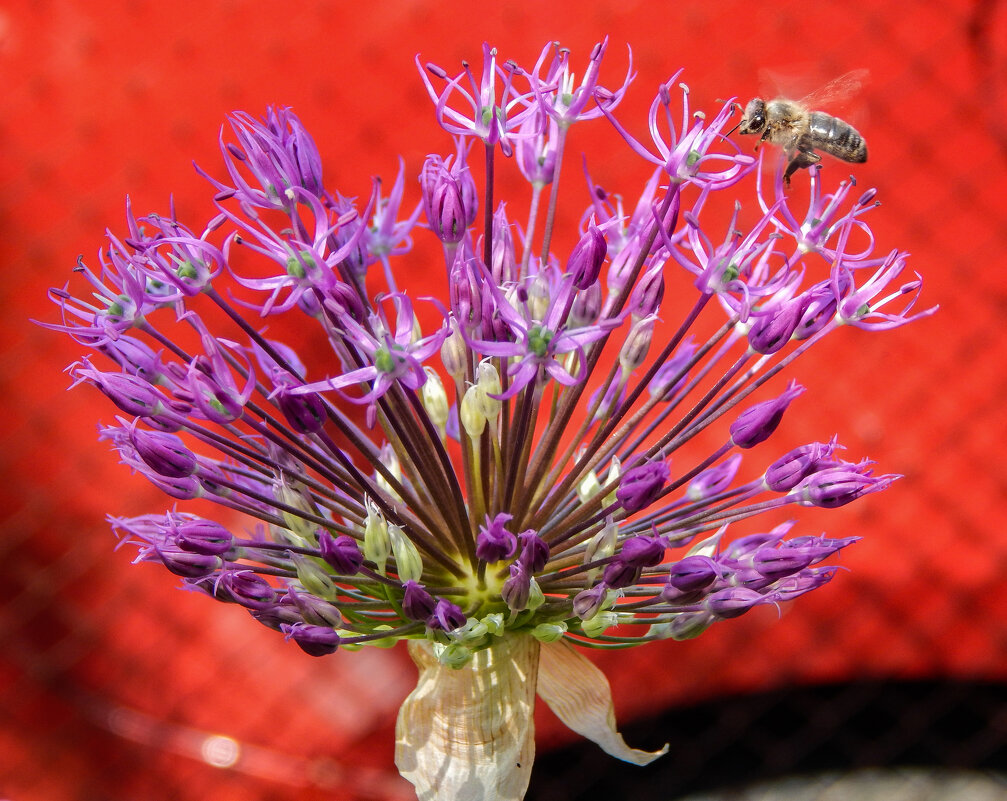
x=525 y=474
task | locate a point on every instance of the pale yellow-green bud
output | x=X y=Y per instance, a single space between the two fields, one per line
x=549 y=632
x=384 y=642
x=298 y=530
x=454 y=355
x=588 y=487
x=494 y=623
x=535 y=596
x=408 y=562
x=488 y=383
x=377 y=544
x=452 y=655
x=313 y=577
x=391 y=461
x=599 y=623
x=614 y=471
x=471 y=634
x=417 y=331
x=470 y=415
x=538 y=297
x=600 y=546
x=435 y=399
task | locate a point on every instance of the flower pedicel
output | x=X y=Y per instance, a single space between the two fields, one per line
x=509 y=490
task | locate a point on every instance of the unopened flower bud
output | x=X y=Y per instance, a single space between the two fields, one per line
x=313 y=577
x=488 y=384
x=534 y=550
x=305 y=413
x=203 y=536
x=637 y=344
x=586 y=306
x=377 y=544
x=435 y=399
x=470 y=415
x=187 y=563
x=453 y=655
x=693 y=573
x=588 y=487
x=246 y=588
x=408 y=562
x=732 y=602
x=447 y=616
x=454 y=356
x=642 y=484
x=517 y=588
x=341 y=552
x=587 y=257
x=648 y=292
x=417 y=603
x=771 y=330
x=757 y=423
x=313 y=640
x=494 y=542
x=830 y=489
x=642 y=551
x=587 y=603
x=600 y=623
x=549 y=632
x=789 y=470
x=538 y=297
x=391 y=461
x=164 y=453
x=714 y=480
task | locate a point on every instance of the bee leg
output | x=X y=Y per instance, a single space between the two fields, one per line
x=803 y=159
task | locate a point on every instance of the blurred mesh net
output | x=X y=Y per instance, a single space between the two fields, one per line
x=114 y=685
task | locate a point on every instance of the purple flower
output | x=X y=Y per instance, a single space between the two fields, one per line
x=520 y=403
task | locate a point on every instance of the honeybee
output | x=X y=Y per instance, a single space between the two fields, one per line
x=800 y=130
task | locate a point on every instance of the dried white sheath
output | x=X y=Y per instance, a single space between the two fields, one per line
x=468 y=734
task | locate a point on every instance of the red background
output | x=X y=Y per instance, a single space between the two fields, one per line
x=111 y=679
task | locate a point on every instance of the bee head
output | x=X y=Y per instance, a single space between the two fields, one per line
x=754 y=119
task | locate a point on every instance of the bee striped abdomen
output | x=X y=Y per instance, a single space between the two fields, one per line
x=836 y=137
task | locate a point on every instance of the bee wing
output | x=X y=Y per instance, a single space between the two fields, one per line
x=791 y=81
x=838 y=90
